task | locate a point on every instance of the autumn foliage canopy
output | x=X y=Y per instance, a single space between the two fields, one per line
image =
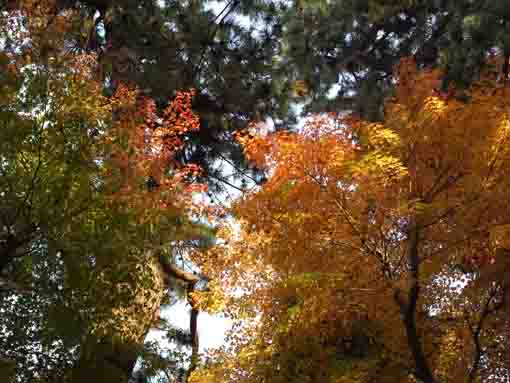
x=376 y=252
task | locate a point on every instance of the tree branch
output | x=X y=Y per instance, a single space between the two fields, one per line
x=178 y=273
x=475 y=333
x=191 y=279
x=408 y=309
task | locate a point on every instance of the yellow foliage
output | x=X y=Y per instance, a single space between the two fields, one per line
x=358 y=219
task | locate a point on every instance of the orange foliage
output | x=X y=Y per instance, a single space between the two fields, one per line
x=344 y=265
x=143 y=147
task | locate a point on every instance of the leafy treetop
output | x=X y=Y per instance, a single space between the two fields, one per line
x=375 y=251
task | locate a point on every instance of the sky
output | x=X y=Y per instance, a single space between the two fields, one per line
x=211 y=328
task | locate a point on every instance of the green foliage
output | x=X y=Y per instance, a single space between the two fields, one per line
x=75 y=260
x=79 y=282
x=167 y=46
x=355 y=45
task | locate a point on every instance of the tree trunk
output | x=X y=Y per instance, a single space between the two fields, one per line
x=193 y=328
x=408 y=307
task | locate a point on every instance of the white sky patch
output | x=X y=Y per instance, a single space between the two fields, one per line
x=218 y=6
x=211 y=328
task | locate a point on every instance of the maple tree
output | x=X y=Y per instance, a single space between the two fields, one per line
x=375 y=252
x=93 y=204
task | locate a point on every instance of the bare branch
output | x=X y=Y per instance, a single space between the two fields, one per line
x=476 y=331
x=178 y=273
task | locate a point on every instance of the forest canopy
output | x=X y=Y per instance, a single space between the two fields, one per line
x=375 y=252
x=369 y=239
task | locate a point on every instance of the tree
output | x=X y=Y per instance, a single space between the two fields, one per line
x=94 y=186
x=375 y=251
x=351 y=47
x=298 y=51
x=165 y=46
x=92 y=197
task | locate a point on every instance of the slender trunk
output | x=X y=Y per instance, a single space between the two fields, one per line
x=193 y=327
x=191 y=279
x=408 y=308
